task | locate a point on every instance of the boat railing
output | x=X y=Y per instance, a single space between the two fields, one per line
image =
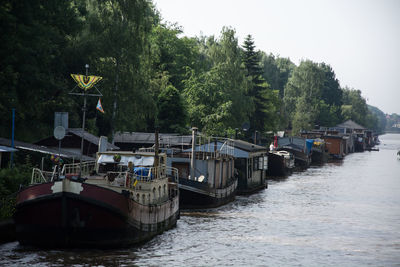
x=75 y=168
x=214 y=147
x=145 y=175
x=39 y=176
x=228 y=147
x=173 y=174
x=149 y=174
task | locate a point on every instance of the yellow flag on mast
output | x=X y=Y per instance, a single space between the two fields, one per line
x=85 y=82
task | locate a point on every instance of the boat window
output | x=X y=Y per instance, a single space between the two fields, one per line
x=260 y=163
x=255 y=164
x=265 y=162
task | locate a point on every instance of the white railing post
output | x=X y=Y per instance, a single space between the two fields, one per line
x=37 y=176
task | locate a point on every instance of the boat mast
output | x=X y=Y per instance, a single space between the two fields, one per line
x=156 y=147
x=193 y=159
x=86 y=82
x=83 y=124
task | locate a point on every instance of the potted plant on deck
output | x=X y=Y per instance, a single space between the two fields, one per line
x=117 y=158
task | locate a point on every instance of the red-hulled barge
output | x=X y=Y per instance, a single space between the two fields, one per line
x=121 y=203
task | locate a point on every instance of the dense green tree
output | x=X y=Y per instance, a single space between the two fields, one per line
x=328 y=115
x=304 y=117
x=35 y=43
x=119 y=33
x=276 y=71
x=270 y=71
x=355 y=108
x=331 y=91
x=216 y=98
x=251 y=59
x=173 y=55
x=286 y=68
x=171 y=111
x=305 y=84
x=380 y=126
x=154 y=75
x=265 y=101
x=331 y=99
x=317 y=84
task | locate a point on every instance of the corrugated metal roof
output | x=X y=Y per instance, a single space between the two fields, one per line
x=241 y=148
x=7 y=149
x=167 y=140
x=90 y=137
x=42 y=149
x=248 y=146
x=148 y=138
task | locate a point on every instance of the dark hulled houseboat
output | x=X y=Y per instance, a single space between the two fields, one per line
x=299 y=148
x=280 y=163
x=206 y=173
x=319 y=154
x=115 y=203
x=251 y=164
x=319 y=151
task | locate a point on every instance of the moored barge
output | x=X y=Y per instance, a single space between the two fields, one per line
x=206 y=173
x=251 y=165
x=280 y=163
x=115 y=202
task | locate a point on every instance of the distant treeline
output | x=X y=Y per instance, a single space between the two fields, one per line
x=155 y=76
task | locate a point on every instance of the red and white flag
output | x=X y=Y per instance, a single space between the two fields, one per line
x=99 y=107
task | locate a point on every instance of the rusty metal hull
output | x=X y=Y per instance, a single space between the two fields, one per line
x=94 y=217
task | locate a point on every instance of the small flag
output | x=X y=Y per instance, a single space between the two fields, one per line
x=99 y=107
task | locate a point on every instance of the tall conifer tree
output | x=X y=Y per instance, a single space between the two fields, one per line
x=262 y=97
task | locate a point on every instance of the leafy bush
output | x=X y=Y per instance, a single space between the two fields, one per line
x=11 y=179
x=10 y=182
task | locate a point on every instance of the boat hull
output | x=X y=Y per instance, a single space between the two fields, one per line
x=96 y=217
x=318 y=156
x=301 y=159
x=197 y=195
x=245 y=189
x=277 y=166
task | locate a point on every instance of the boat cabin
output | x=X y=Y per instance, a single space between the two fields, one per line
x=336 y=146
x=143 y=174
x=251 y=165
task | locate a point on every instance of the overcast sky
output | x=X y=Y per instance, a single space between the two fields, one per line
x=360 y=39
